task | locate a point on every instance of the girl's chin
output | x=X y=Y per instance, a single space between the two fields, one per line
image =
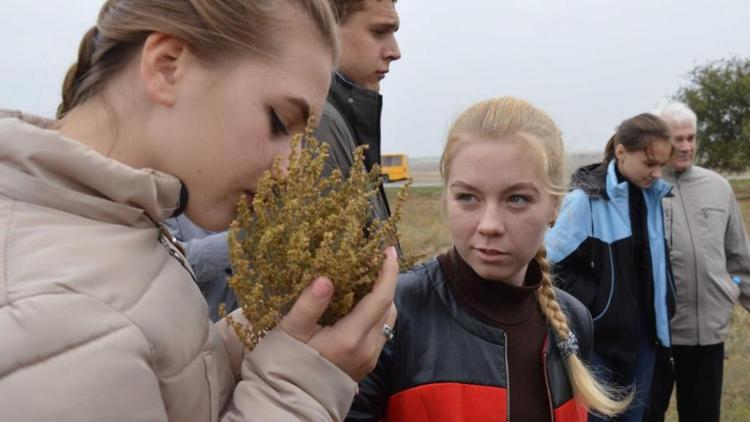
x=212 y=220
x=494 y=273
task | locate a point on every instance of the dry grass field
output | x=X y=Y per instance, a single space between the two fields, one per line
x=423 y=231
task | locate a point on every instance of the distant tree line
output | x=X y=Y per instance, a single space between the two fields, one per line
x=719 y=93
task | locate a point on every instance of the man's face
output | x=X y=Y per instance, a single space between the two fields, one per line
x=369 y=43
x=683 y=139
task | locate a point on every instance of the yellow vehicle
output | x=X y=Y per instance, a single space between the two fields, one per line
x=394 y=167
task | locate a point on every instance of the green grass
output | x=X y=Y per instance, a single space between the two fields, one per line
x=741 y=188
x=423 y=230
x=422 y=227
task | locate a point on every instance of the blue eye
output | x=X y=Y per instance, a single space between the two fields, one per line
x=518 y=200
x=465 y=197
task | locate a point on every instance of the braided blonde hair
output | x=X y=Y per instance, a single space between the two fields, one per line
x=599 y=398
x=501 y=118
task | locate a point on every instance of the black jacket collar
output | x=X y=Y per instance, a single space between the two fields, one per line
x=361 y=108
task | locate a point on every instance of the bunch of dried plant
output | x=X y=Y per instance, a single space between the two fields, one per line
x=304 y=224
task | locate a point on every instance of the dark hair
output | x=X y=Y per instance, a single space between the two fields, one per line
x=345 y=8
x=212 y=29
x=637 y=134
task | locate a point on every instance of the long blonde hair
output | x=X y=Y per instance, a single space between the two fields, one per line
x=505 y=117
x=214 y=30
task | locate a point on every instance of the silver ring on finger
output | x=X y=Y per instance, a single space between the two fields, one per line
x=387 y=331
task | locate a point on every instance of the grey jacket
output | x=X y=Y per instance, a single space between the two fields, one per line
x=351 y=118
x=710 y=255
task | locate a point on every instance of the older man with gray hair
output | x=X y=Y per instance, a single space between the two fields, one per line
x=710 y=258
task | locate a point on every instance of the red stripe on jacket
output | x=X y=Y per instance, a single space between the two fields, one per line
x=455 y=402
x=449 y=402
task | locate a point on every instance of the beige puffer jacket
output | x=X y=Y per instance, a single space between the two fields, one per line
x=100 y=319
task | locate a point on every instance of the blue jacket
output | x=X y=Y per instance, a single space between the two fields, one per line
x=591 y=248
x=208 y=255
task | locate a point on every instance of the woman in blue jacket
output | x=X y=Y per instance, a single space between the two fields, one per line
x=608 y=249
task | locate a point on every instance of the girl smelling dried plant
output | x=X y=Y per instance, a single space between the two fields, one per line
x=302 y=225
x=482 y=334
x=100 y=315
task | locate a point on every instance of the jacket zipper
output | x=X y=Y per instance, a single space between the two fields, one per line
x=507 y=378
x=695 y=260
x=611 y=284
x=546 y=379
x=175 y=249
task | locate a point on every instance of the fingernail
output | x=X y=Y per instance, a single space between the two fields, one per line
x=391 y=252
x=321 y=288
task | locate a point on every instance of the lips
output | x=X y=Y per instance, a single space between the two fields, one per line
x=381 y=74
x=491 y=255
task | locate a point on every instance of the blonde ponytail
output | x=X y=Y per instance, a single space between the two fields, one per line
x=597 y=397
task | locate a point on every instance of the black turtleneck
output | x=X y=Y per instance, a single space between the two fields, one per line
x=641 y=255
x=515 y=310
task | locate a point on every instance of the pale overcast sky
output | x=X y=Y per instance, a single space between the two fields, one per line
x=589 y=63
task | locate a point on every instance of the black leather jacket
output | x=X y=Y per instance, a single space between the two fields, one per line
x=444 y=364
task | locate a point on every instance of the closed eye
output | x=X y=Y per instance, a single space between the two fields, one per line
x=277 y=126
x=384 y=29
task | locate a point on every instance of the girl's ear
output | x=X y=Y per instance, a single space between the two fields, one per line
x=620 y=152
x=555 y=210
x=161 y=65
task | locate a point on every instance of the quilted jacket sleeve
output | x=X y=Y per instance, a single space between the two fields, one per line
x=283 y=379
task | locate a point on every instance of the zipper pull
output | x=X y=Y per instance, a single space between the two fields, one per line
x=171 y=239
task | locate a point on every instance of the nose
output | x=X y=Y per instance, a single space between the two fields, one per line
x=656 y=173
x=491 y=222
x=392 y=51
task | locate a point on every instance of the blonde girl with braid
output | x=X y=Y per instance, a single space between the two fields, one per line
x=482 y=333
x=172 y=106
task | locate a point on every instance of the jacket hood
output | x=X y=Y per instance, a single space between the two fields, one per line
x=38 y=165
x=600 y=180
x=591 y=178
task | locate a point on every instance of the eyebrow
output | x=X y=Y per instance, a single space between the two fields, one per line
x=651 y=162
x=392 y=24
x=464 y=185
x=511 y=188
x=522 y=185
